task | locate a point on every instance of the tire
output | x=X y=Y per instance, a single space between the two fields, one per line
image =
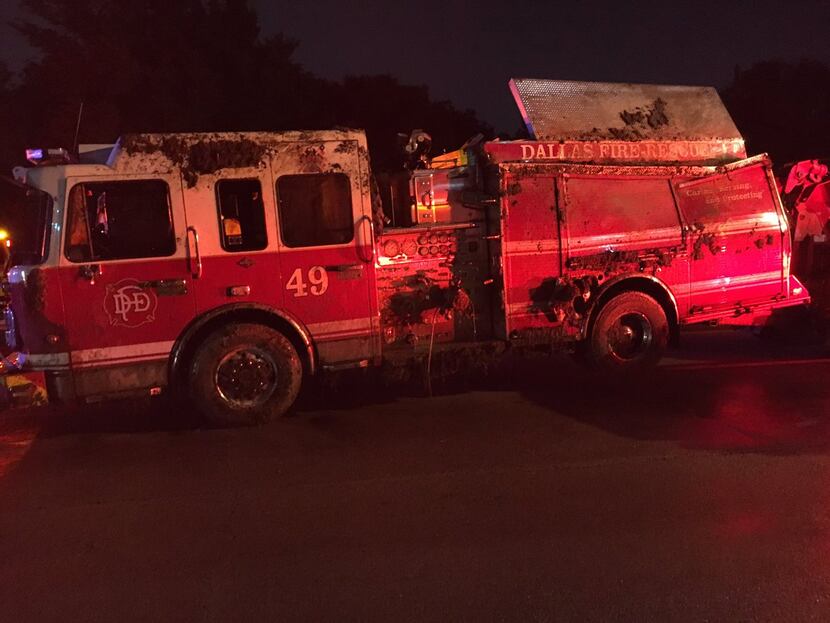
x=629 y=335
x=244 y=375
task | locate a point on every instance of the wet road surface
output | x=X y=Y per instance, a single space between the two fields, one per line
x=701 y=495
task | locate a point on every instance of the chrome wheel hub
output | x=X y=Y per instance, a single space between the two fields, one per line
x=630 y=337
x=246 y=377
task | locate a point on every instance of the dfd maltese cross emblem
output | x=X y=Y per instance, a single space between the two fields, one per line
x=129 y=305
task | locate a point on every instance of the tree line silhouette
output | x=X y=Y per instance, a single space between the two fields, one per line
x=191 y=65
x=782 y=108
x=196 y=65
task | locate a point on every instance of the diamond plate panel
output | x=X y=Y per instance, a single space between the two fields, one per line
x=566 y=109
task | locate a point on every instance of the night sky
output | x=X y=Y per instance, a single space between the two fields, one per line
x=466 y=51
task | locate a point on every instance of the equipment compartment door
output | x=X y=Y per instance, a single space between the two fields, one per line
x=735 y=236
x=125 y=275
x=624 y=226
x=531 y=251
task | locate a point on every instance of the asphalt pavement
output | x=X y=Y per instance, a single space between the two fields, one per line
x=540 y=493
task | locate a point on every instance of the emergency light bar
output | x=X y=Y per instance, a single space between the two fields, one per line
x=40 y=156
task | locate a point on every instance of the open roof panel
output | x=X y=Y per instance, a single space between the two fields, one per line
x=555 y=110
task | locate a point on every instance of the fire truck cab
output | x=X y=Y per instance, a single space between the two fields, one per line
x=234 y=265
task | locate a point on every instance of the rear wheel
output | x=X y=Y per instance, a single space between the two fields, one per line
x=245 y=374
x=630 y=334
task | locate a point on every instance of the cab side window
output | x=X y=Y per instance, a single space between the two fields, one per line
x=241 y=215
x=119 y=220
x=315 y=209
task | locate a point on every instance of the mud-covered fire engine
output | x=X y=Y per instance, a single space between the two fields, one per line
x=232 y=266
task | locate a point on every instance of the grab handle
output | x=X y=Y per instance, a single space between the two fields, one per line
x=361 y=224
x=198 y=272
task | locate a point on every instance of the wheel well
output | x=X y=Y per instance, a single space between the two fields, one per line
x=185 y=348
x=640 y=284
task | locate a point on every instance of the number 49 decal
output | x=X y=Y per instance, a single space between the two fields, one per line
x=317 y=277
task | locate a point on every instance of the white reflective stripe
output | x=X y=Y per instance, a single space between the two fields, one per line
x=353 y=325
x=750 y=226
x=48 y=360
x=742 y=281
x=330 y=337
x=515 y=247
x=697 y=287
x=663 y=236
x=519 y=308
x=147 y=350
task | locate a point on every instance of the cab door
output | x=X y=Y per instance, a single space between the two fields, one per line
x=125 y=278
x=326 y=249
x=231 y=213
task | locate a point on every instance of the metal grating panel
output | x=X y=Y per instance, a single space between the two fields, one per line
x=564 y=109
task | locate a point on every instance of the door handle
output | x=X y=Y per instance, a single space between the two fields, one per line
x=341 y=268
x=90 y=272
x=198 y=271
x=166 y=287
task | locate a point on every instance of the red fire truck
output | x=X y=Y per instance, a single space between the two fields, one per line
x=232 y=266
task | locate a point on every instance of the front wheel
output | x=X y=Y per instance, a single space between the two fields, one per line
x=630 y=334
x=245 y=374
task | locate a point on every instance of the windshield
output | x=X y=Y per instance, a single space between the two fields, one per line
x=25 y=215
